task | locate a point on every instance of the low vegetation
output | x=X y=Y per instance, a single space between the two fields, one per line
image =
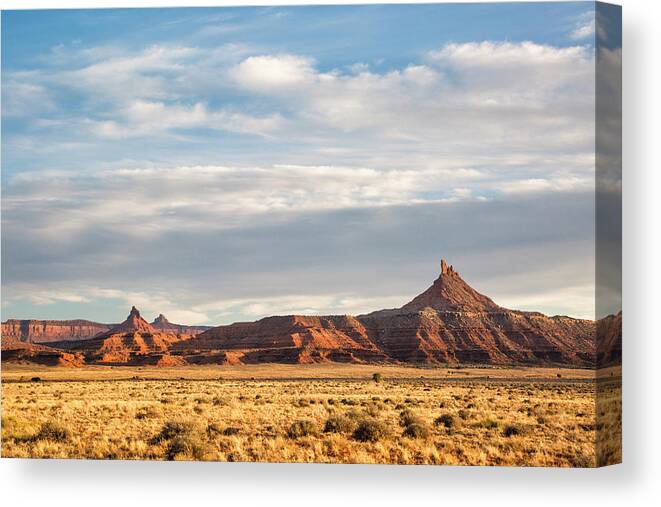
x=414 y=421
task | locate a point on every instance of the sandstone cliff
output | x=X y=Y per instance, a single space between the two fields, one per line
x=609 y=340
x=44 y=331
x=163 y=324
x=133 y=342
x=449 y=322
x=16 y=351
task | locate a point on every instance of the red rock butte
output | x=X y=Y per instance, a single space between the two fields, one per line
x=448 y=323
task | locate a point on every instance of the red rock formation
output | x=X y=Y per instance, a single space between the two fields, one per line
x=450 y=293
x=16 y=351
x=45 y=331
x=450 y=322
x=162 y=324
x=134 y=341
x=609 y=340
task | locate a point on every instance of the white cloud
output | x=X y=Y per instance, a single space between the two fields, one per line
x=142 y=118
x=153 y=200
x=20 y=97
x=481 y=101
x=268 y=73
x=469 y=123
x=539 y=185
x=584 y=26
x=303 y=304
x=51 y=297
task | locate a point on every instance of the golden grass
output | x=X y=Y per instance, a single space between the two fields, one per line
x=501 y=422
x=11 y=372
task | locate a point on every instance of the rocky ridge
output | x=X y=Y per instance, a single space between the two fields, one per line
x=448 y=323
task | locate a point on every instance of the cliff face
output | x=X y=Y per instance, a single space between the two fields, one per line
x=609 y=340
x=50 y=331
x=45 y=331
x=450 y=322
x=133 y=342
x=19 y=352
x=162 y=324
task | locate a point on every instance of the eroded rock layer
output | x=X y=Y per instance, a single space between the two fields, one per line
x=448 y=323
x=45 y=331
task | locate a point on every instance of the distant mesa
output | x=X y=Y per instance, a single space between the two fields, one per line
x=448 y=323
x=50 y=331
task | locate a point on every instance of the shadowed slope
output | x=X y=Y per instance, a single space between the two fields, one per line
x=449 y=322
x=134 y=341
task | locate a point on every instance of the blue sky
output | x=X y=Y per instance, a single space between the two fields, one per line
x=221 y=164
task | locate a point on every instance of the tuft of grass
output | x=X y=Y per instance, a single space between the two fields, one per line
x=511 y=430
x=416 y=430
x=187 y=446
x=301 y=428
x=147 y=413
x=213 y=429
x=339 y=424
x=219 y=401
x=376 y=377
x=53 y=431
x=490 y=424
x=370 y=430
x=446 y=420
x=407 y=417
x=231 y=430
x=175 y=428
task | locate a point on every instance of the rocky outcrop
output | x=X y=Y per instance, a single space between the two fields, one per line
x=448 y=323
x=162 y=324
x=16 y=351
x=45 y=331
x=609 y=340
x=49 y=331
x=133 y=342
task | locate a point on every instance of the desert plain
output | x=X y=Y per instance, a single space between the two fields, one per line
x=324 y=413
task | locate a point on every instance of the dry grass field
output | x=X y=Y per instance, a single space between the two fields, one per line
x=328 y=414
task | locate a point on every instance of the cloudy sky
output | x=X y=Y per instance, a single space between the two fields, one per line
x=218 y=165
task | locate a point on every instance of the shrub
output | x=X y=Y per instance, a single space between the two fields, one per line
x=374 y=409
x=416 y=430
x=301 y=429
x=172 y=429
x=213 y=429
x=53 y=431
x=219 y=401
x=147 y=413
x=376 y=377
x=187 y=446
x=407 y=417
x=35 y=379
x=446 y=420
x=510 y=430
x=339 y=424
x=231 y=430
x=370 y=430
x=490 y=424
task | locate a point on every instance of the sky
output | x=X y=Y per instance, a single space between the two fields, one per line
x=224 y=164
